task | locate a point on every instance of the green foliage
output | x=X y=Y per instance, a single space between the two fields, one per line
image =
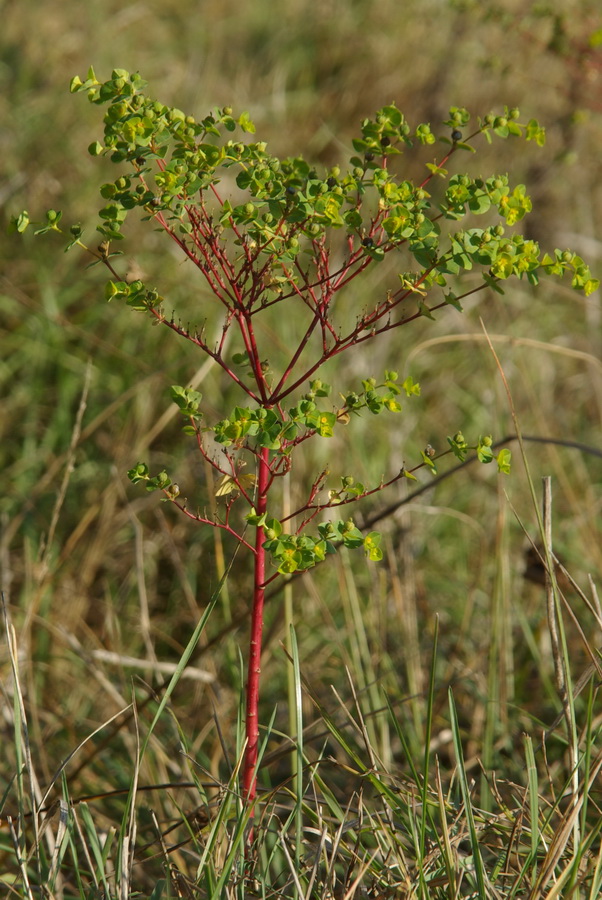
x=268 y=233
x=187 y=400
x=140 y=474
x=274 y=246
x=172 y=157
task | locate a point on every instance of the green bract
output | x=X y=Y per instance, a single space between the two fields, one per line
x=281 y=232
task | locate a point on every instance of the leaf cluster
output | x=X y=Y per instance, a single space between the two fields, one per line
x=299 y=552
x=172 y=158
x=275 y=244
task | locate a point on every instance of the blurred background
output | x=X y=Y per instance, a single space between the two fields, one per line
x=91 y=564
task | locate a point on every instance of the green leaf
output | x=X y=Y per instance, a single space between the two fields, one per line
x=372 y=546
x=484 y=451
x=162 y=481
x=246 y=124
x=325 y=424
x=411 y=387
x=504 y=458
x=273 y=529
x=53 y=217
x=76 y=233
x=436 y=170
x=353 y=219
x=425 y=311
x=20 y=222
x=254 y=519
x=186 y=399
x=426 y=459
x=320 y=388
x=138 y=473
x=116 y=289
x=353 y=539
x=289 y=565
x=405 y=474
x=492 y=283
x=458 y=445
x=536 y=133
x=452 y=300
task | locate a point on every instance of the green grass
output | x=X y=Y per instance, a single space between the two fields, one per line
x=385 y=782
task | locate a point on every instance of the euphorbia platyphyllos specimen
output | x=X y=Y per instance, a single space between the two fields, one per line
x=270 y=234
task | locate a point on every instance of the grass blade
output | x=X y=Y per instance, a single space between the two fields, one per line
x=465 y=789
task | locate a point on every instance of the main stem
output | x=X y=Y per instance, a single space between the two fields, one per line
x=254 y=670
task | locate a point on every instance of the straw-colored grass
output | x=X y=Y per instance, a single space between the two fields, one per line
x=417 y=742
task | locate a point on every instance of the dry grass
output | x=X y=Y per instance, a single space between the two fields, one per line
x=97 y=575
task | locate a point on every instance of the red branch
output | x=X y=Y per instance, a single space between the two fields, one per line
x=215 y=523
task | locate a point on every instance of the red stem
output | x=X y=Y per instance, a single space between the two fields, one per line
x=254 y=670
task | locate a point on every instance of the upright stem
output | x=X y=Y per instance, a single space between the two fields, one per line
x=254 y=670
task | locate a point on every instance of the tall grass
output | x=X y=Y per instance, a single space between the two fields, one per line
x=429 y=755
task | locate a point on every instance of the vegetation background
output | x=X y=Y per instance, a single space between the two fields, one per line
x=92 y=567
